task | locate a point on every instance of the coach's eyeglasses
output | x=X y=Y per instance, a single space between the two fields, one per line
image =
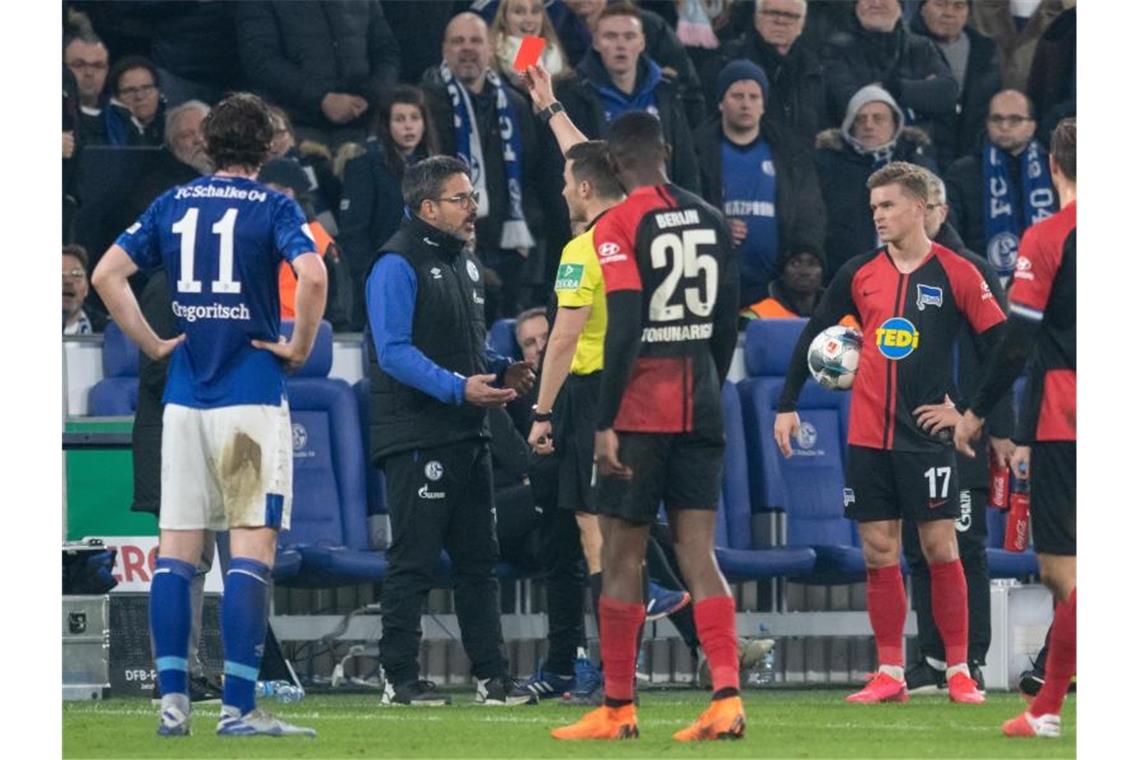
x=1013 y=120
x=463 y=199
x=74 y=274
x=137 y=92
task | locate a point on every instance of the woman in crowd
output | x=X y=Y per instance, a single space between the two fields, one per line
x=371 y=205
x=516 y=19
x=136 y=113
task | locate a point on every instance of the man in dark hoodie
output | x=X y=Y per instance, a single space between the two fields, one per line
x=880 y=49
x=795 y=99
x=763 y=181
x=616 y=76
x=873 y=134
x=973 y=60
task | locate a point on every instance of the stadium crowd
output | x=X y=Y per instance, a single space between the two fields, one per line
x=816 y=95
x=778 y=113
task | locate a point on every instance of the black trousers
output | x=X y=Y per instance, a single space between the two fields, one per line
x=564 y=569
x=971 y=527
x=441 y=498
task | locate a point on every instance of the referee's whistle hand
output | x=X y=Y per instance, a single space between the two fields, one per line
x=787 y=425
x=478 y=391
x=540 y=438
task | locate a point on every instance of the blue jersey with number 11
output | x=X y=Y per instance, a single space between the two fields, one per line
x=221 y=241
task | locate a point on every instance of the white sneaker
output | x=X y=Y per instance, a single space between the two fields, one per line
x=257 y=722
x=173 y=721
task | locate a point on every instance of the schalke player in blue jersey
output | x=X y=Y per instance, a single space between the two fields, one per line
x=226 y=443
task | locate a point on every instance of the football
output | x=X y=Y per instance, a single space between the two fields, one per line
x=833 y=357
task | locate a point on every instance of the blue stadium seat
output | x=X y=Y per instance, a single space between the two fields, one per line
x=117 y=394
x=501 y=339
x=329 y=524
x=738 y=557
x=286 y=564
x=808 y=487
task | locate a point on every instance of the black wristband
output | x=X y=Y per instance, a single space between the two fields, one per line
x=547 y=113
x=538 y=416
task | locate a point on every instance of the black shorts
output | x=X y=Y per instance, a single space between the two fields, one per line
x=573 y=428
x=883 y=484
x=1053 y=497
x=682 y=469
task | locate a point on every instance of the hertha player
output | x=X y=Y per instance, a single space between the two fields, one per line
x=671 y=298
x=912 y=297
x=1043 y=313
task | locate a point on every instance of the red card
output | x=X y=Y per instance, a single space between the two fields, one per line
x=529 y=52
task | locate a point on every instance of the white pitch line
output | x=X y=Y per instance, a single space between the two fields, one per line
x=407 y=714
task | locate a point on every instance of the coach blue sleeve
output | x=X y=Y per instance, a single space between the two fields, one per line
x=390 y=297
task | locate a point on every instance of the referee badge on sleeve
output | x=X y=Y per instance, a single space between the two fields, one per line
x=569 y=276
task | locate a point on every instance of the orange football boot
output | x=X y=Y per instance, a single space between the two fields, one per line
x=724 y=719
x=603 y=723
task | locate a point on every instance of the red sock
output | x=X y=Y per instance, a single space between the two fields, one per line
x=1061 y=663
x=886 y=606
x=619 y=623
x=951 y=613
x=715 y=617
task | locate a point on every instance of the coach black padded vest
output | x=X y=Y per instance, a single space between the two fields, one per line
x=449 y=328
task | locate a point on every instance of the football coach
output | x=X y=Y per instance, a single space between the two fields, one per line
x=431 y=382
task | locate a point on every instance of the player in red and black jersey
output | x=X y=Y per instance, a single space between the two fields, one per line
x=671 y=297
x=912 y=297
x=1043 y=314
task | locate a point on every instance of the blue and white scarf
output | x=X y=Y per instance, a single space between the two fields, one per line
x=468 y=147
x=1003 y=217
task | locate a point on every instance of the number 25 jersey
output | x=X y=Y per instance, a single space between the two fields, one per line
x=221 y=241
x=674 y=249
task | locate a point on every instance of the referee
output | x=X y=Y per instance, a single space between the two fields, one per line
x=431 y=384
x=564 y=414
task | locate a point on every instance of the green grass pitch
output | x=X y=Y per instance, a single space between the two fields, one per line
x=781 y=723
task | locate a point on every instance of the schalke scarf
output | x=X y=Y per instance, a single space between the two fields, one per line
x=468 y=147
x=1005 y=216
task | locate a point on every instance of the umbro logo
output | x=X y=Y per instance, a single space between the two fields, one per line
x=436 y=273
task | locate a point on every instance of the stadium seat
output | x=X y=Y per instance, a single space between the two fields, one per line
x=808 y=487
x=738 y=556
x=501 y=339
x=329 y=524
x=286 y=564
x=117 y=394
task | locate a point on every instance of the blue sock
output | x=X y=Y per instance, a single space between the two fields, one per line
x=170 y=623
x=245 y=611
